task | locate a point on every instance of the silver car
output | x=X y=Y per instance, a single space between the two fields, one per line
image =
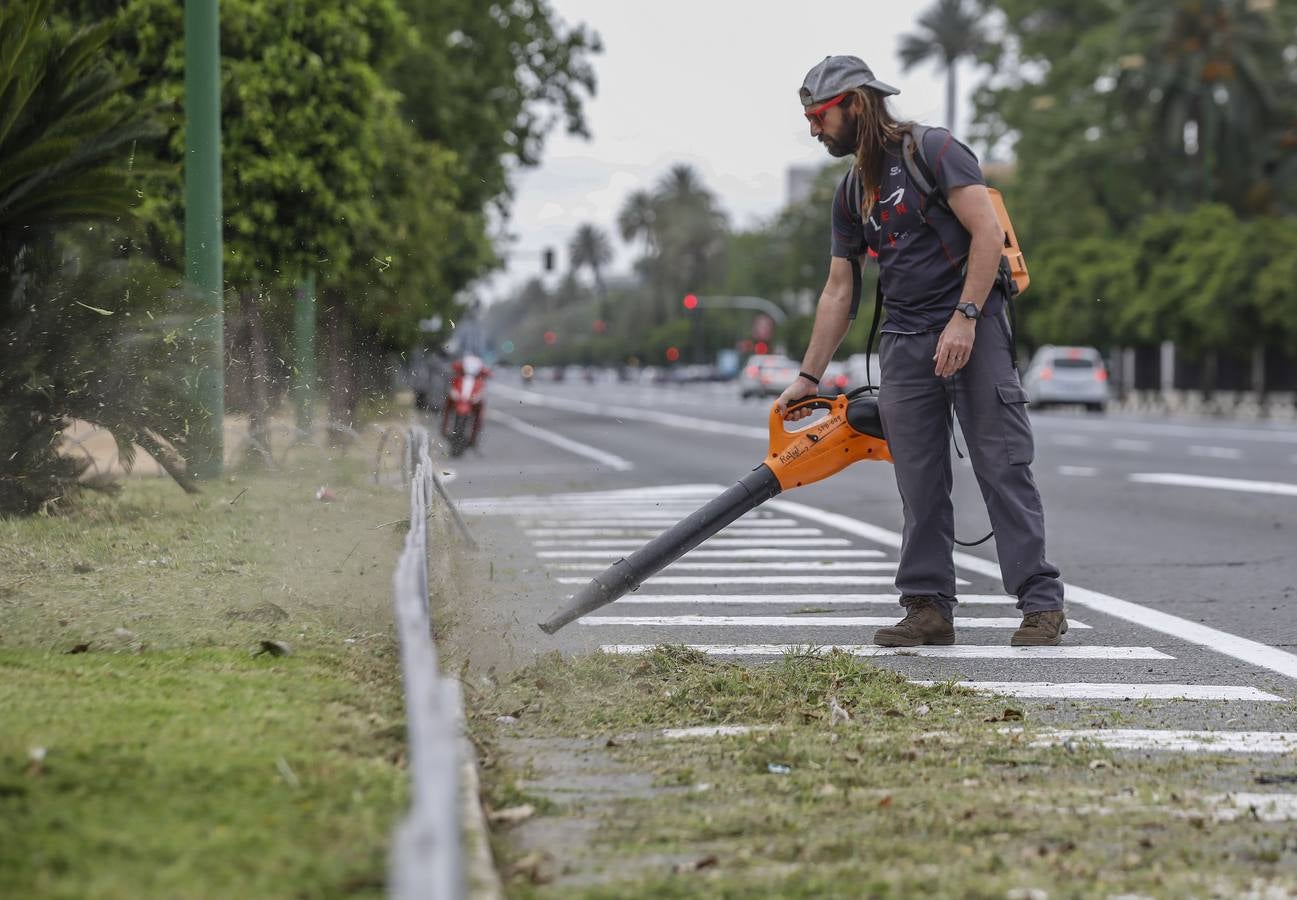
x=1067 y=375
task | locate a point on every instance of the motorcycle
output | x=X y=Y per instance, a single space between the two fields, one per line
x=461 y=421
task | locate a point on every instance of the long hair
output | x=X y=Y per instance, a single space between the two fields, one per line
x=876 y=130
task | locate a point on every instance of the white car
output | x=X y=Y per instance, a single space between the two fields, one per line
x=766 y=375
x=1067 y=375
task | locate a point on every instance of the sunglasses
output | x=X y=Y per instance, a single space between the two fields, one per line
x=816 y=115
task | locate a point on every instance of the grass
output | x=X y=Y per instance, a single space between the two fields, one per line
x=924 y=791
x=146 y=748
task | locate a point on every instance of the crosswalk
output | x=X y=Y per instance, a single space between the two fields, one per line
x=784 y=579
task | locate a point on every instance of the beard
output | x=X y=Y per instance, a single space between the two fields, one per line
x=844 y=143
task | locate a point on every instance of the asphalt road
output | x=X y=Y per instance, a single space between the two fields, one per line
x=1175 y=538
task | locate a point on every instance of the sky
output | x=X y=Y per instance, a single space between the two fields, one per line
x=712 y=83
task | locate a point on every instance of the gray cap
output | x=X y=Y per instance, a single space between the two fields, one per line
x=836 y=75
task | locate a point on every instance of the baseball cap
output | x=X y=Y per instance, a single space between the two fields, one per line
x=836 y=75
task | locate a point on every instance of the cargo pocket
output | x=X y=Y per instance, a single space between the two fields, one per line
x=1017 y=427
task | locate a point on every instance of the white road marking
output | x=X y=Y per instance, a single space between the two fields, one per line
x=811 y=600
x=1248 y=651
x=730 y=531
x=1175 y=740
x=793 y=621
x=711 y=542
x=1275 y=488
x=1215 y=452
x=1098 y=691
x=713 y=580
x=646 y=522
x=963 y=651
x=1078 y=471
x=616 y=463
x=671 y=420
x=732 y=553
x=813 y=567
x=1230 y=434
x=1070 y=440
x=1132 y=446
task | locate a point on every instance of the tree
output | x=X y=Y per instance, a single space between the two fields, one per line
x=636 y=219
x=948 y=32
x=79 y=338
x=590 y=249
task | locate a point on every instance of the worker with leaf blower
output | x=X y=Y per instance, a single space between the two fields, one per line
x=915 y=197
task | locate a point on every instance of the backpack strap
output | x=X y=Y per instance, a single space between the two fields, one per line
x=873 y=331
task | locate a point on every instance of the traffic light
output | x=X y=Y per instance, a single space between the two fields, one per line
x=551 y=337
x=673 y=354
x=691 y=301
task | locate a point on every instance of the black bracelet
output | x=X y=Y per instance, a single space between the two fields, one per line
x=811 y=378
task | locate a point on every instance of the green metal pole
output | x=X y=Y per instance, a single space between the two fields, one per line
x=203 y=231
x=304 y=350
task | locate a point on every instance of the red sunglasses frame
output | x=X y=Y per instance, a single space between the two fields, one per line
x=816 y=115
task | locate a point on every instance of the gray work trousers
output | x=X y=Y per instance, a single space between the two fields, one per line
x=992 y=407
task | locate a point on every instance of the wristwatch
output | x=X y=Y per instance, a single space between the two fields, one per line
x=969 y=310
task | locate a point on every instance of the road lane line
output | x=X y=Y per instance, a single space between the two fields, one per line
x=1215 y=452
x=714 y=580
x=653 y=532
x=1099 y=691
x=807 y=566
x=711 y=542
x=1173 y=740
x=1078 y=471
x=732 y=553
x=1070 y=440
x=1274 y=488
x=643 y=521
x=810 y=600
x=1213 y=430
x=671 y=420
x=1248 y=651
x=616 y=463
x=964 y=651
x=793 y=621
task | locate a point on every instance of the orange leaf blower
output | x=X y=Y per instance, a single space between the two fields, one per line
x=851 y=431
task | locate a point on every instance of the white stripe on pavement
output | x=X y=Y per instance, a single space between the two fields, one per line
x=792 y=621
x=711 y=542
x=962 y=651
x=1078 y=471
x=641 y=597
x=671 y=420
x=712 y=580
x=646 y=522
x=1248 y=651
x=1098 y=691
x=731 y=531
x=1215 y=452
x=800 y=565
x=1174 y=740
x=1276 y=488
x=732 y=553
x=616 y=463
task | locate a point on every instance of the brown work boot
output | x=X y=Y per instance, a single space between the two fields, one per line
x=923 y=624
x=1040 y=629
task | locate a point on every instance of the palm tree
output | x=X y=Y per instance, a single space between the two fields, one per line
x=71 y=347
x=636 y=219
x=1211 y=66
x=948 y=32
x=590 y=248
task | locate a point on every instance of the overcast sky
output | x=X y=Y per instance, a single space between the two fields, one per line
x=712 y=83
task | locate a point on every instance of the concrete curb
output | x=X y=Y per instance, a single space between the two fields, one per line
x=483 y=879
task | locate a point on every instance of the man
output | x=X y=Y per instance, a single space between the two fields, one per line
x=945 y=341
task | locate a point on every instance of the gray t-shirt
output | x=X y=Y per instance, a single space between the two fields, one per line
x=921 y=246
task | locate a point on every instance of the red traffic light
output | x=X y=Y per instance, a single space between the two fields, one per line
x=691 y=301
x=672 y=354
x=550 y=337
